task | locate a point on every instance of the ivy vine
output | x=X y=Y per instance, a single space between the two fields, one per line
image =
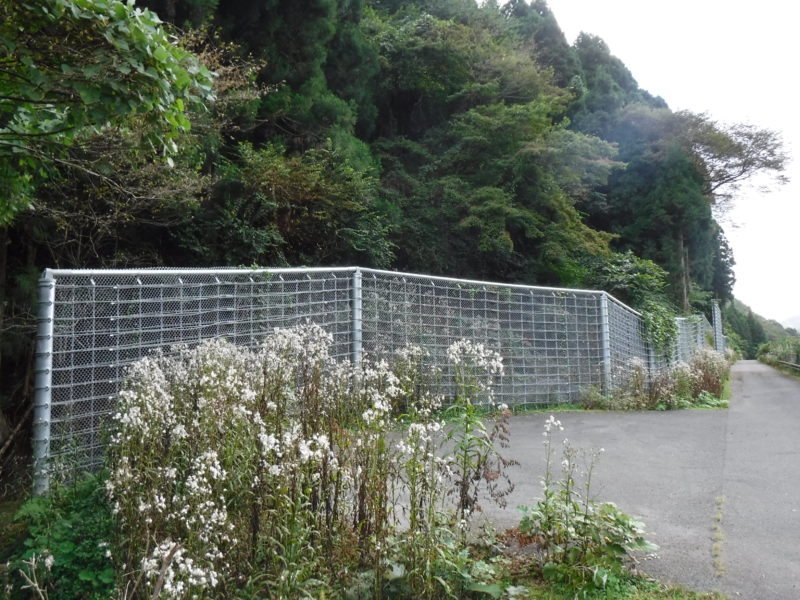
x=660 y=327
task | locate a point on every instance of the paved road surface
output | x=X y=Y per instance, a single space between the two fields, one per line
x=676 y=469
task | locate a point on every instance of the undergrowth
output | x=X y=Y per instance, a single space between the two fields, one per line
x=283 y=473
x=699 y=383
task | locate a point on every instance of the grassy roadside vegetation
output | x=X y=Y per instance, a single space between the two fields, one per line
x=643 y=589
x=777 y=353
x=638 y=587
x=786 y=370
x=283 y=473
x=12 y=531
x=22 y=534
x=699 y=383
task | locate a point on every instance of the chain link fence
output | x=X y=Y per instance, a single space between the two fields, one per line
x=555 y=343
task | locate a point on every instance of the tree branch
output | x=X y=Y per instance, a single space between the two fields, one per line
x=16 y=430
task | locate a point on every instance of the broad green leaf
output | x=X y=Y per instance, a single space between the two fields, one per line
x=495 y=590
x=160 y=54
x=92 y=70
x=106 y=576
x=88 y=92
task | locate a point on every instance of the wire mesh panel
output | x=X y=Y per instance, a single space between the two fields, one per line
x=549 y=339
x=706 y=335
x=555 y=343
x=686 y=340
x=719 y=336
x=104 y=322
x=630 y=351
x=694 y=332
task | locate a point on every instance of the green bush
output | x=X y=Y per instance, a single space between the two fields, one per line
x=68 y=551
x=581 y=543
x=680 y=385
x=786 y=350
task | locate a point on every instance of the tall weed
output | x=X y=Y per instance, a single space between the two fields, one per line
x=580 y=542
x=283 y=462
x=679 y=385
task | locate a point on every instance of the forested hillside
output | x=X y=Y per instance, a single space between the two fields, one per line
x=747 y=331
x=438 y=136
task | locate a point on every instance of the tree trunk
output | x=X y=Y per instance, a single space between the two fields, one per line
x=687 y=279
x=3 y=263
x=684 y=274
x=5 y=427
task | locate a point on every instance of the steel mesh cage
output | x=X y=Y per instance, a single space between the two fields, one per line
x=555 y=343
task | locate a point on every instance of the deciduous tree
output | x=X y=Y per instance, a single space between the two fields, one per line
x=70 y=69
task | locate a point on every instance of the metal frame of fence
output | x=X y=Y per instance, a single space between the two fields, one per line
x=92 y=324
x=719 y=336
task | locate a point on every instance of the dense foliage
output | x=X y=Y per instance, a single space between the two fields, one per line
x=779 y=352
x=449 y=137
x=700 y=382
x=75 y=68
x=747 y=331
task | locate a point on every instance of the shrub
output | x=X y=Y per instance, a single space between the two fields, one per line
x=237 y=462
x=679 y=385
x=777 y=351
x=710 y=371
x=580 y=542
x=68 y=551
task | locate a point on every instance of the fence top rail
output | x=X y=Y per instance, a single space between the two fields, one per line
x=56 y=273
x=50 y=274
x=788 y=364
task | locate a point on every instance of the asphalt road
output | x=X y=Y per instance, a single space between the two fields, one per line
x=683 y=472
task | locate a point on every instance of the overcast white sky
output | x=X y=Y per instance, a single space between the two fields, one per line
x=736 y=61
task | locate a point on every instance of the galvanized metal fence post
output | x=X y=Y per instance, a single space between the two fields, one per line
x=719 y=336
x=605 y=342
x=357 y=326
x=43 y=390
x=699 y=334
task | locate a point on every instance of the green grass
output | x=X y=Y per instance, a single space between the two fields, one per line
x=790 y=371
x=641 y=589
x=525 y=408
x=710 y=403
x=727 y=389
